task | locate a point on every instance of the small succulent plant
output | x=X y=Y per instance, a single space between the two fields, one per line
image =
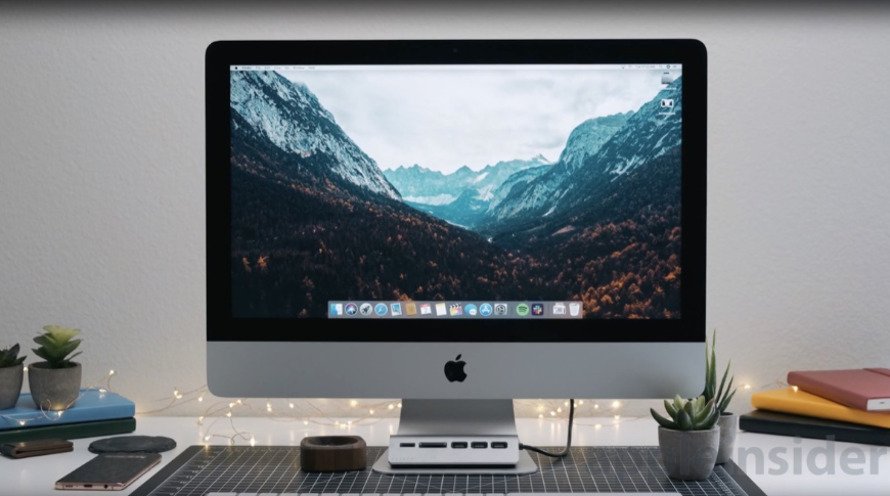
x=722 y=395
x=688 y=415
x=10 y=357
x=57 y=344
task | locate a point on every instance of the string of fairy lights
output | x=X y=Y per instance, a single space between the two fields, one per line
x=222 y=413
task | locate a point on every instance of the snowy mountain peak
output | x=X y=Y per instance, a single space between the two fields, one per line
x=290 y=116
x=464 y=195
x=537 y=192
x=587 y=138
x=650 y=133
x=462 y=171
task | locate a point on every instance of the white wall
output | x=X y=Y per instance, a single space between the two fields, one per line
x=102 y=171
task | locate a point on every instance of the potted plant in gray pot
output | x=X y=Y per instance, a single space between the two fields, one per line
x=722 y=395
x=10 y=376
x=689 y=439
x=55 y=382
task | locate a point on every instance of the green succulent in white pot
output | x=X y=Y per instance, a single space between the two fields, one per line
x=10 y=376
x=690 y=438
x=55 y=382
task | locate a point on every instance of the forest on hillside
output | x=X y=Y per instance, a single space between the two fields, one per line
x=298 y=240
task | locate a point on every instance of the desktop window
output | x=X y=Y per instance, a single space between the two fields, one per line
x=456 y=191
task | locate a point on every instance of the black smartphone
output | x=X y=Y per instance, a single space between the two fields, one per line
x=109 y=472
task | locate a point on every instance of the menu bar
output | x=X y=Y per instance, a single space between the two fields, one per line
x=460 y=67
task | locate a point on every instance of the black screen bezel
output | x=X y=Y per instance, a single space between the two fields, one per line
x=222 y=326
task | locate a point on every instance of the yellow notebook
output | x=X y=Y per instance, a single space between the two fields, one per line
x=799 y=402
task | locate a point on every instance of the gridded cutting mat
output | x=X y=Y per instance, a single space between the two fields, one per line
x=276 y=469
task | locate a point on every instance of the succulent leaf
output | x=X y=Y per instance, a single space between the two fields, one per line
x=724 y=393
x=702 y=413
x=725 y=403
x=684 y=422
x=688 y=415
x=678 y=402
x=723 y=380
x=60 y=334
x=56 y=345
x=9 y=357
x=711 y=368
x=667 y=424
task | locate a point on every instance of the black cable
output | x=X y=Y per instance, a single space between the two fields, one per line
x=568 y=447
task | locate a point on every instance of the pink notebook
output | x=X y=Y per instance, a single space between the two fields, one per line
x=865 y=389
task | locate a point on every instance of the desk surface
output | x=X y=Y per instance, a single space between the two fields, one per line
x=779 y=465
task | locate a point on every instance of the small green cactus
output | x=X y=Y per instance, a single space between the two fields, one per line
x=10 y=357
x=688 y=415
x=722 y=395
x=56 y=345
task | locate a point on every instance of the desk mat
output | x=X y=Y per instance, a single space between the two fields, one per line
x=276 y=469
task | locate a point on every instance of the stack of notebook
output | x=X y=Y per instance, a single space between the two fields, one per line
x=844 y=405
x=95 y=413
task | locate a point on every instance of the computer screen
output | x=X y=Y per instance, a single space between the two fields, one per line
x=381 y=212
x=456 y=191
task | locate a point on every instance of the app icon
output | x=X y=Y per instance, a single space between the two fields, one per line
x=426 y=309
x=522 y=309
x=410 y=308
x=440 y=309
x=500 y=309
x=470 y=309
x=365 y=309
x=559 y=309
x=351 y=309
x=485 y=309
x=667 y=103
x=537 y=309
x=575 y=308
x=455 y=309
x=380 y=309
x=396 y=309
x=336 y=309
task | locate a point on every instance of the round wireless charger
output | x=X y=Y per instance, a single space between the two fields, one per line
x=133 y=444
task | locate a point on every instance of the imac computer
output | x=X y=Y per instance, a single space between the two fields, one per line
x=458 y=224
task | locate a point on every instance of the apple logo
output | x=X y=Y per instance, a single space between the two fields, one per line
x=454 y=370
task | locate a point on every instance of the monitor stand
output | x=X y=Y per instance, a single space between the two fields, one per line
x=455 y=437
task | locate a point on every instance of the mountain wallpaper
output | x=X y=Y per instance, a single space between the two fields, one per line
x=316 y=218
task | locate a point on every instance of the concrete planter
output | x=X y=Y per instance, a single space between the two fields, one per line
x=10 y=385
x=729 y=426
x=54 y=389
x=689 y=455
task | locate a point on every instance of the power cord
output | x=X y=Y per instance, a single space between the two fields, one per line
x=568 y=447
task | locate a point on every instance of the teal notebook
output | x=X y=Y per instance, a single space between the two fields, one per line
x=91 y=405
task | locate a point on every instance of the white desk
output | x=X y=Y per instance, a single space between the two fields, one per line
x=35 y=476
